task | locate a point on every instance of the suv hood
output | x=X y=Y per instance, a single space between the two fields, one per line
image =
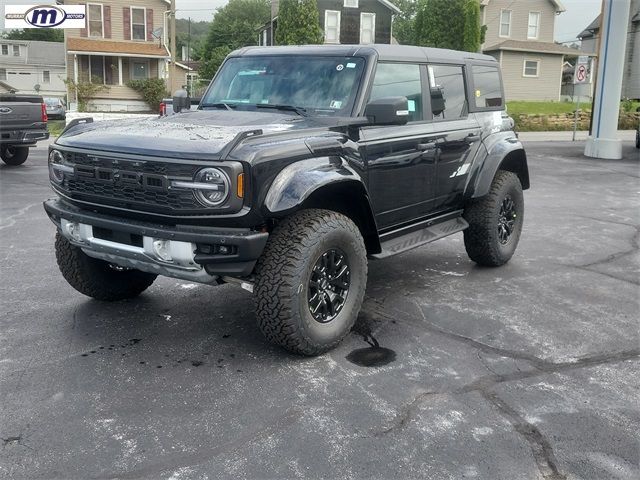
x=198 y=134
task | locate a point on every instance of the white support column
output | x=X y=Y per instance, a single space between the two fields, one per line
x=603 y=142
x=75 y=68
x=120 y=71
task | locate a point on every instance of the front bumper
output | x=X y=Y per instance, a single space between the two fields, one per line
x=187 y=252
x=23 y=137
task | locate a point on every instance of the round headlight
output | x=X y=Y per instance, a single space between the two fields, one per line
x=213 y=186
x=56 y=174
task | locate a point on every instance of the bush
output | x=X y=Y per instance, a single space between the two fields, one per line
x=84 y=91
x=153 y=90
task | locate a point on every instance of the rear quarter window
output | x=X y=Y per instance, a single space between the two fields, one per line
x=487 y=88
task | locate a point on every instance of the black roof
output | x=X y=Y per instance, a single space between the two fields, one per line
x=400 y=53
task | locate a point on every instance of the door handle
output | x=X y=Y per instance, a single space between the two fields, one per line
x=472 y=138
x=427 y=146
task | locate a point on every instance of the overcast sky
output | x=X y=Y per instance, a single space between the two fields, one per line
x=568 y=24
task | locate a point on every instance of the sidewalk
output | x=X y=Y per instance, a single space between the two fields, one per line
x=625 y=135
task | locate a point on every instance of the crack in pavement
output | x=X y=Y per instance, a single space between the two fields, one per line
x=541 y=447
x=11 y=219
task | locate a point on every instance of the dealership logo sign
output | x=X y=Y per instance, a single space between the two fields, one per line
x=45 y=16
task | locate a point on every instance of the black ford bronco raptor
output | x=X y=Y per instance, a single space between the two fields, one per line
x=299 y=165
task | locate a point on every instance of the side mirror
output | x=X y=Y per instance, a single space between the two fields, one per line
x=181 y=100
x=437 y=101
x=388 y=111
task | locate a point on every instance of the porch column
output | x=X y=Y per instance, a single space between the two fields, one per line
x=120 y=71
x=75 y=68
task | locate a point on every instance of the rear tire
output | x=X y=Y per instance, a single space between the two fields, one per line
x=310 y=281
x=495 y=221
x=96 y=278
x=14 y=155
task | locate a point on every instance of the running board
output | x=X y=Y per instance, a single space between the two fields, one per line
x=420 y=237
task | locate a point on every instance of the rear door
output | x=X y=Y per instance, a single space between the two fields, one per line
x=457 y=131
x=400 y=160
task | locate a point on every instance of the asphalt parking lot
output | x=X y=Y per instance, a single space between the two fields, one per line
x=528 y=371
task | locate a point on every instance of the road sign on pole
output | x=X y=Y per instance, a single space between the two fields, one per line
x=583 y=70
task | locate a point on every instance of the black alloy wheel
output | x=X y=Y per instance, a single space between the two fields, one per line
x=329 y=285
x=506 y=219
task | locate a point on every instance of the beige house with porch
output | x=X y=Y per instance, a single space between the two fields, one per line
x=123 y=40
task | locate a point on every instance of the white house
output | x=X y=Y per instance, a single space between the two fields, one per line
x=29 y=66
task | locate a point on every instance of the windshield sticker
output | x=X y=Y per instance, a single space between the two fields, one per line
x=335 y=104
x=351 y=65
x=412 y=105
x=340 y=67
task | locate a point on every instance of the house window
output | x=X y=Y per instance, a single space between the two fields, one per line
x=16 y=50
x=96 y=25
x=393 y=79
x=5 y=49
x=367 y=27
x=534 y=25
x=351 y=3
x=139 y=70
x=96 y=69
x=46 y=76
x=3 y=73
x=331 y=26
x=138 y=24
x=505 y=23
x=530 y=68
x=448 y=97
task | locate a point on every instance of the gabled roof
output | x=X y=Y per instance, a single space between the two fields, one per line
x=111 y=47
x=45 y=53
x=591 y=29
x=556 y=3
x=390 y=6
x=534 y=47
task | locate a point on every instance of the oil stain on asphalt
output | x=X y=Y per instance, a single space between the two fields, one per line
x=372 y=356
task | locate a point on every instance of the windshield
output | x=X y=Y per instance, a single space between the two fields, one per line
x=315 y=85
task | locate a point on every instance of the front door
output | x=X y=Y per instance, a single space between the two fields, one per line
x=400 y=160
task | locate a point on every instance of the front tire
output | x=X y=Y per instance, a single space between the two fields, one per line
x=96 y=278
x=310 y=281
x=495 y=221
x=14 y=155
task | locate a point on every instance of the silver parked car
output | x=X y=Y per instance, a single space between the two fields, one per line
x=55 y=108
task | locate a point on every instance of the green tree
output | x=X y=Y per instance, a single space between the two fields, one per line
x=453 y=24
x=235 y=25
x=403 y=28
x=41 y=34
x=298 y=23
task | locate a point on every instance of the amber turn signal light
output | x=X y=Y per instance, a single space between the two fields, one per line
x=240 y=184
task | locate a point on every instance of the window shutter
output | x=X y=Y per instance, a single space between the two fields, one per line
x=150 y=24
x=84 y=31
x=126 y=21
x=106 y=11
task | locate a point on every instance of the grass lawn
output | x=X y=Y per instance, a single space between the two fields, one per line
x=542 y=108
x=55 y=127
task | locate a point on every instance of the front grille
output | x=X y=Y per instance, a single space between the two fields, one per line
x=129 y=183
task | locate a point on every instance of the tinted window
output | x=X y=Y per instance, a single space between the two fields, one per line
x=448 y=99
x=488 y=92
x=393 y=80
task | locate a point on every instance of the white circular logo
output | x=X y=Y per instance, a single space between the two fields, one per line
x=339 y=67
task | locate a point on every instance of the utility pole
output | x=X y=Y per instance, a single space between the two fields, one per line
x=172 y=67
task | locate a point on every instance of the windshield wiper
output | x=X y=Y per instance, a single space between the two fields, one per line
x=299 y=110
x=217 y=105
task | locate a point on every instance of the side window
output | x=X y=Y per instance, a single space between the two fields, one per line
x=488 y=91
x=446 y=86
x=393 y=80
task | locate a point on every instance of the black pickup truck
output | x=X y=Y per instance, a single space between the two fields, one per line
x=300 y=165
x=23 y=121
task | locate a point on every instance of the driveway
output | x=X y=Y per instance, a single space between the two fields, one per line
x=528 y=371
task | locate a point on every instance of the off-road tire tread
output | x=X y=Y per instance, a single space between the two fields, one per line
x=15 y=160
x=481 y=237
x=277 y=274
x=90 y=277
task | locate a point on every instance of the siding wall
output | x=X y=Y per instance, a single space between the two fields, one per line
x=117 y=23
x=519 y=20
x=544 y=87
x=631 y=78
x=350 y=19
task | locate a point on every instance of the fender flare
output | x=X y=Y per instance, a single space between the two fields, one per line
x=501 y=151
